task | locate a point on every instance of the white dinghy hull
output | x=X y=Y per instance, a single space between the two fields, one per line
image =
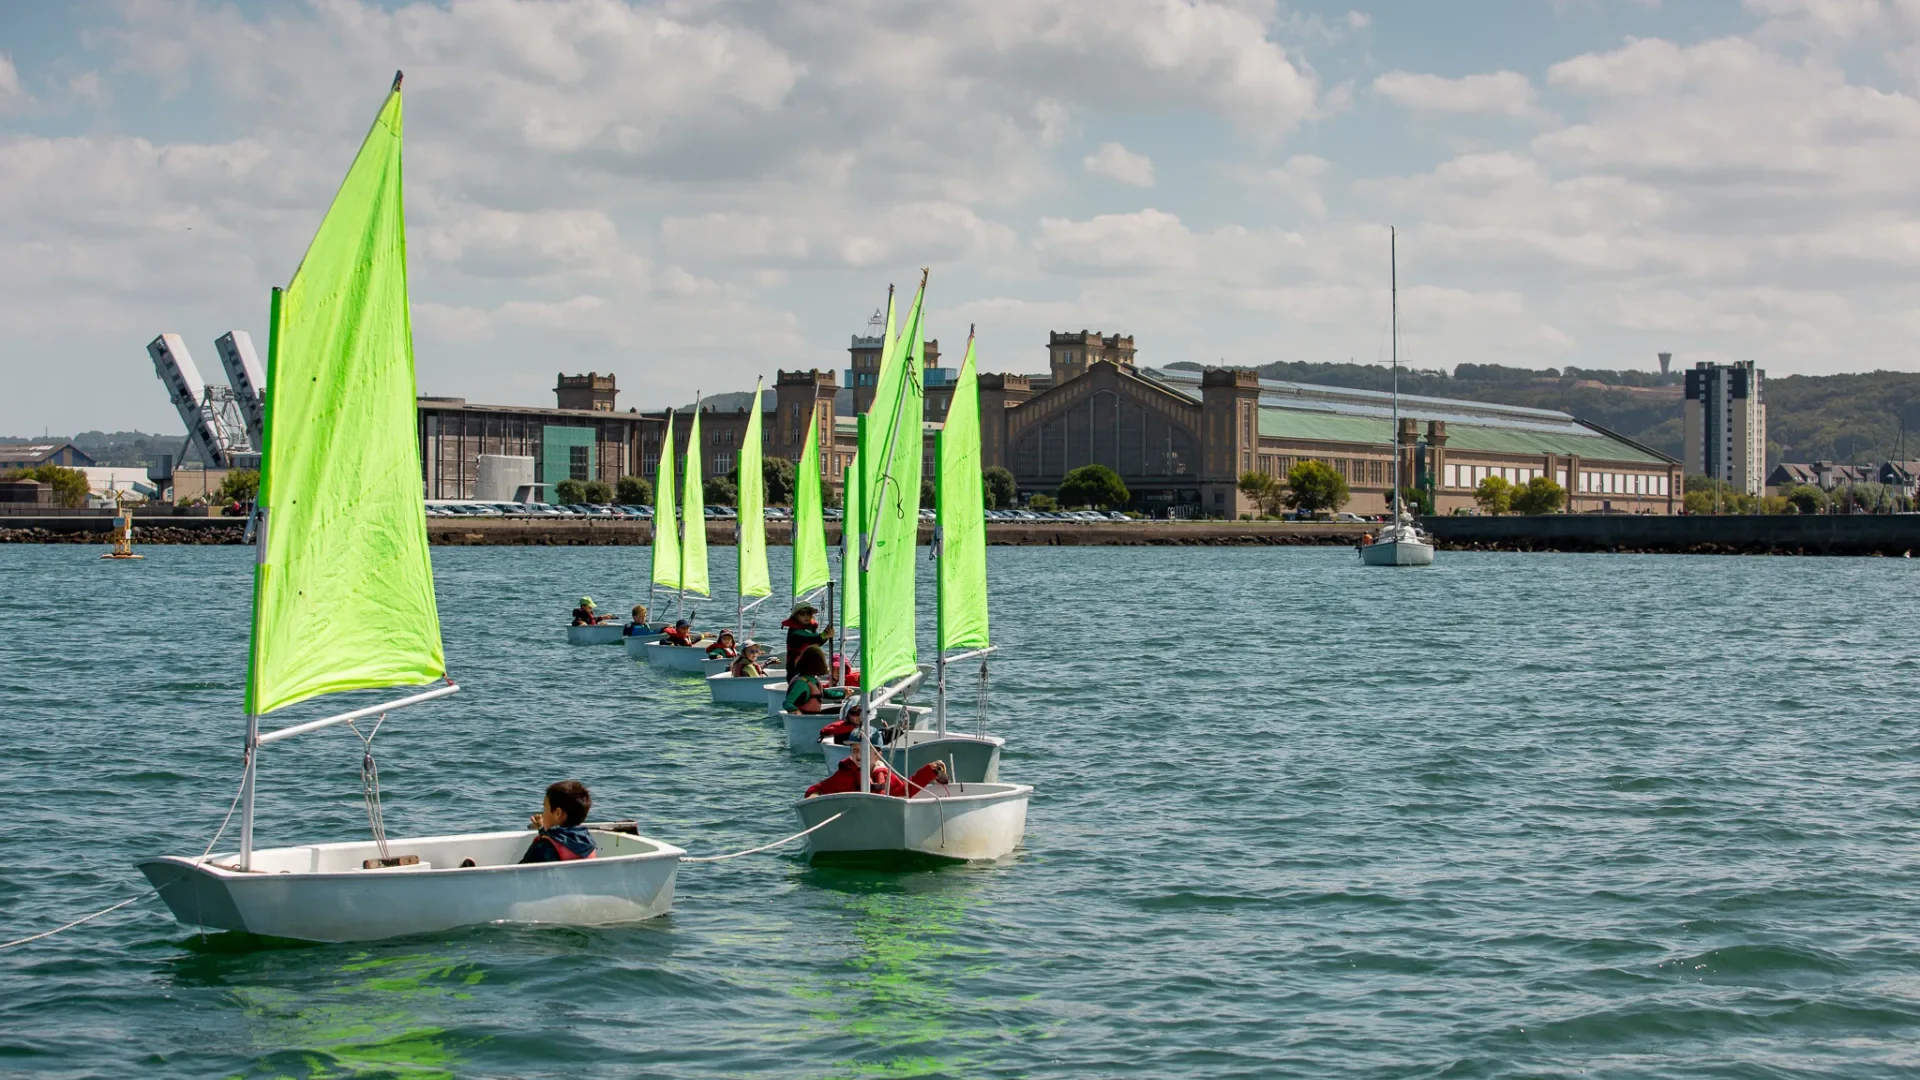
x=637 y=642
x=684 y=658
x=604 y=634
x=971 y=759
x=1397 y=553
x=965 y=822
x=727 y=690
x=319 y=892
x=803 y=729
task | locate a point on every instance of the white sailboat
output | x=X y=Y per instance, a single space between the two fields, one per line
x=687 y=572
x=343 y=600
x=946 y=821
x=752 y=579
x=1400 y=542
x=960 y=597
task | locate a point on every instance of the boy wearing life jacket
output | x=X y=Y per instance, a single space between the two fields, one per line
x=722 y=647
x=680 y=633
x=639 y=623
x=561 y=837
x=808 y=691
x=584 y=614
x=801 y=632
x=747 y=665
x=846 y=777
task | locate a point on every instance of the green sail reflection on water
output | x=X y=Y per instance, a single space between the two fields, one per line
x=343 y=591
x=753 y=579
x=962 y=568
x=693 y=515
x=666 y=537
x=809 y=526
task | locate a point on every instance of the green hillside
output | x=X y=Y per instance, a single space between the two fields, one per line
x=1846 y=418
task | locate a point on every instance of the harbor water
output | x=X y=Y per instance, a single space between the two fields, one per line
x=1513 y=815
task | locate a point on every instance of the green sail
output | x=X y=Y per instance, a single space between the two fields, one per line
x=666 y=537
x=693 y=515
x=891 y=442
x=809 y=526
x=850 y=543
x=343 y=588
x=962 y=569
x=887 y=379
x=753 y=580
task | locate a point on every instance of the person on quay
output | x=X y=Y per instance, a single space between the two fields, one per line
x=561 y=825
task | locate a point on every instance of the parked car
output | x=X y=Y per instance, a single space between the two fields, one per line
x=833 y=513
x=927 y=515
x=726 y=512
x=1115 y=515
x=1345 y=518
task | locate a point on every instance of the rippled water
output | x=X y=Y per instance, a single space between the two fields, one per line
x=1515 y=815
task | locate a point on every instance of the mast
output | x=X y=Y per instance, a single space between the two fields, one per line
x=1393 y=287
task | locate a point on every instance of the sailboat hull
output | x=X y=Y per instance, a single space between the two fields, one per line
x=751 y=692
x=966 y=822
x=604 y=634
x=682 y=658
x=971 y=759
x=320 y=892
x=803 y=729
x=1397 y=553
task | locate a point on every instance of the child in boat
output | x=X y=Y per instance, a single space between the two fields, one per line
x=639 y=623
x=561 y=837
x=584 y=614
x=846 y=777
x=680 y=633
x=747 y=665
x=801 y=632
x=807 y=689
x=722 y=647
x=933 y=772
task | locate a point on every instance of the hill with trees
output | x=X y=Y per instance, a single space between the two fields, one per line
x=1852 y=418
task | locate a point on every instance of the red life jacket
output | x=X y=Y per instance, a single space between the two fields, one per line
x=677 y=636
x=846 y=777
x=811 y=703
x=567 y=854
x=840 y=729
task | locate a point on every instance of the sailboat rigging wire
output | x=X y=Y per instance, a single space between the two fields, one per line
x=230 y=806
x=370 y=785
x=762 y=847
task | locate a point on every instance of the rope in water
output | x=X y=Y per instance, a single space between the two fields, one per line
x=71 y=925
x=763 y=847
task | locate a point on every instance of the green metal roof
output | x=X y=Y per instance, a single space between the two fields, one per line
x=1316 y=426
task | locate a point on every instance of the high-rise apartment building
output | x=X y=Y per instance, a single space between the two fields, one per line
x=1726 y=424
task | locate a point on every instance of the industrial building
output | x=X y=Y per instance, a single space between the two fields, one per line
x=32 y=455
x=581 y=438
x=1725 y=424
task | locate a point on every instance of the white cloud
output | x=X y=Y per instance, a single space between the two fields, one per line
x=11 y=92
x=1506 y=93
x=1116 y=162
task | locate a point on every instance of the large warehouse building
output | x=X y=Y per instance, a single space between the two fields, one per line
x=1179 y=438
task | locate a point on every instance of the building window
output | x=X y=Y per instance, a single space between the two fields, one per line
x=577 y=463
x=722 y=464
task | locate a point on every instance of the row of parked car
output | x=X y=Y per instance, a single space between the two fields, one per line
x=773 y=513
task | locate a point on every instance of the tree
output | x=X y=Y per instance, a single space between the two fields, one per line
x=69 y=485
x=927 y=493
x=634 y=491
x=239 y=486
x=721 y=492
x=598 y=492
x=778 y=478
x=1002 y=492
x=1539 y=495
x=1494 y=495
x=1315 y=485
x=1419 y=499
x=1264 y=490
x=1705 y=495
x=570 y=491
x=1093 y=485
x=1806 y=499
x=1045 y=503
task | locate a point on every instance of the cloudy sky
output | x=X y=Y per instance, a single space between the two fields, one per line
x=693 y=192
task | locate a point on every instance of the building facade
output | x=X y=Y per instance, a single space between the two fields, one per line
x=582 y=439
x=1725 y=424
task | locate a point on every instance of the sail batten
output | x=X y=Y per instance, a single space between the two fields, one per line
x=809 y=524
x=962 y=568
x=752 y=578
x=343 y=584
x=666 y=535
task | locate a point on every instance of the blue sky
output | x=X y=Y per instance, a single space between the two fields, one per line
x=696 y=192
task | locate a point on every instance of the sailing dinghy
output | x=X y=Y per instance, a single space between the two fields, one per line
x=343 y=600
x=688 y=572
x=1401 y=542
x=964 y=821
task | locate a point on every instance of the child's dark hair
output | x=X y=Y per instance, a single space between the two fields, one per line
x=811 y=661
x=571 y=798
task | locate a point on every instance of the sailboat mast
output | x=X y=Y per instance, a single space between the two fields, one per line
x=1393 y=289
x=939 y=595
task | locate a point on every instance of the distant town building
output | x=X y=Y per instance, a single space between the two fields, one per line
x=1901 y=476
x=1725 y=424
x=581 y=439
x=28 y=455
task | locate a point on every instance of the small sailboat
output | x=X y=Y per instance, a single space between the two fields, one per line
x=961 y=821
x=809 y=554
x=960 y=596
x=687 y=573
x=1400 y=542
x=122 y=534
x=343 y=600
